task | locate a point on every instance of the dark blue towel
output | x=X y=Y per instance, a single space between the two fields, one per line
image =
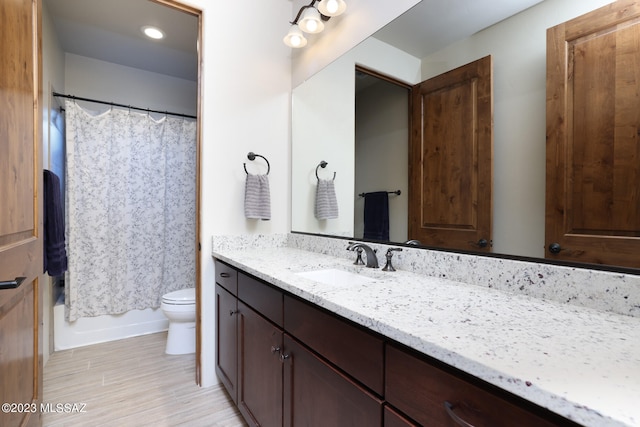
x=376 y=216
x=55 y=253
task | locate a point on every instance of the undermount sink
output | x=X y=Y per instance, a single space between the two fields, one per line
x=333 y=276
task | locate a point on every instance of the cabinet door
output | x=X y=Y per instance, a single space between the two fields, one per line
x=317 y=395
x=227 y=340
x=259 y=369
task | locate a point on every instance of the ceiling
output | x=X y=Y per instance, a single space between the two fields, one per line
x=433 y=24
x=109 y=30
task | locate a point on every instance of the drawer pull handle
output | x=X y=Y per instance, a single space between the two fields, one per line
x=225 y=275
x=449 y=408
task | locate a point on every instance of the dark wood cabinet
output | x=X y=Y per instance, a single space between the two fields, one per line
x=435 y=397
x=287 y=362
x=318 y=395
x=227 y=340
x=394 y=419
x=353 y=349
x=260 y=369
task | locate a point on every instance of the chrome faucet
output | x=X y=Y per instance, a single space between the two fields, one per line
x=372 y=259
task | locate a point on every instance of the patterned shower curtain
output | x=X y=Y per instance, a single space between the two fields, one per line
x=130 y=203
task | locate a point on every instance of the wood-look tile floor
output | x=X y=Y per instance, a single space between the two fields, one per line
x=131 y=382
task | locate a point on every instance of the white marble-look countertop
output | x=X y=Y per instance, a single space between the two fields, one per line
x=578 y=362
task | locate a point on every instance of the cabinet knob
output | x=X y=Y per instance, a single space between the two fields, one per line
x=275 y=349
x=449 y=408
x=283 y=357
x=232 y=312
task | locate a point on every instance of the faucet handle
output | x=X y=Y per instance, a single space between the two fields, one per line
x=388 y=266
x=359 y=260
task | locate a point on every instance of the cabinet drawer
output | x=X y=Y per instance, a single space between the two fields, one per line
x=261 y=297
x=420 y=390
x=352 y=349
x=227 y=277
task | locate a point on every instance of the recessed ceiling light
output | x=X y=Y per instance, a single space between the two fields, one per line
x=153 y=32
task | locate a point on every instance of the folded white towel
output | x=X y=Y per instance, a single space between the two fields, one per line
x=257 y=197
x=326 y=202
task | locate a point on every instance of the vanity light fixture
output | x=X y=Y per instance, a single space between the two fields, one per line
x=311 y=20
x=153 y=32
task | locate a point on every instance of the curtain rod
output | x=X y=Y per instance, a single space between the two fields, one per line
x=113 y=104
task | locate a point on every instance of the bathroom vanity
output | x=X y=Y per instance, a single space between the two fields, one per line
x=298 y=346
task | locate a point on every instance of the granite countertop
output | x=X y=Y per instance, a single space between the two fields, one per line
x=580 y=363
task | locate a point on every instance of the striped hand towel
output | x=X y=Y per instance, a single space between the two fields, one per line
x=326 y=202
x=257 y=198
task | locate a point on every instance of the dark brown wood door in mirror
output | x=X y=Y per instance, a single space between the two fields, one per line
x=593 y=142
x=451 y=159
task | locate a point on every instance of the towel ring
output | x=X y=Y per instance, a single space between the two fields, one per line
x=323 y=165
x=252 y=156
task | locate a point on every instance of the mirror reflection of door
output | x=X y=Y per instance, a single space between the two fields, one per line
x=451 y=159
x=593 y=137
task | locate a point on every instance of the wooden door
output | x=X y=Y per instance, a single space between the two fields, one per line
x=20 y=213
x=259 y=369
x=593 y=137
x=318 y=395
x=450 y=159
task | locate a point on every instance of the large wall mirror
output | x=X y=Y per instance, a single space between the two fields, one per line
x=329 y=109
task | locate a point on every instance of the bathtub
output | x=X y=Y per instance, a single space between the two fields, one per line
x=94 y=330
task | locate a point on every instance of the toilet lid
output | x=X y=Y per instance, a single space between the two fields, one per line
x=183 y=296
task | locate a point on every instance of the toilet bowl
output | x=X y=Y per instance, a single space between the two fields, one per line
x=180 y=309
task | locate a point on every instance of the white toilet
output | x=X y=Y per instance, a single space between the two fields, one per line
x=180 y=309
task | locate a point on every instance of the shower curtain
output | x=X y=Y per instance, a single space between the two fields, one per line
x=130 y=204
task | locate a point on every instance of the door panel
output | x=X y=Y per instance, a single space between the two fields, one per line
x=20 y=212
x=593 y=146
x=450 y=166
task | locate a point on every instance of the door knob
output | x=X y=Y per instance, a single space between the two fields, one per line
x=11 y=284
x=555 y=248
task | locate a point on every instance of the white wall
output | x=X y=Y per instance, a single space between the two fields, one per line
x=106 y=81
x=245 y=107
x=518 y=47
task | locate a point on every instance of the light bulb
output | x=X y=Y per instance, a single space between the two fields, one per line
x=295 y=38
x=312 y=26
x=332 y=6
x=295 y=41
x=310 y=21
